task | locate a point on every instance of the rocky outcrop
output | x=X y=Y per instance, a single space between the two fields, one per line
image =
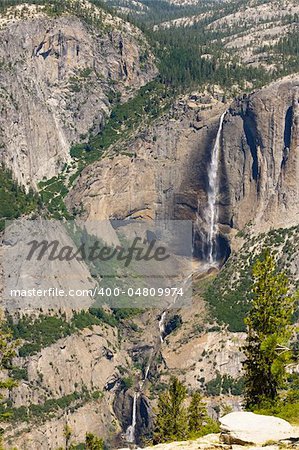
x=259 y=161
x=95 y=417
x=214 y=442
x=82 y=363
x=75 y=363
x=167 y=173
x=249 y=428
x=58 y=77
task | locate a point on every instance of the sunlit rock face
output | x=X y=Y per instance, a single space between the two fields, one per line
x=167 y=174
x=56 y=80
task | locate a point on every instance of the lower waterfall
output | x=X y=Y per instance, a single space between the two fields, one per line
x=130 y=433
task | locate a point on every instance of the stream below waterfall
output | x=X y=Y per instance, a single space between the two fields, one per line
x=211 y=260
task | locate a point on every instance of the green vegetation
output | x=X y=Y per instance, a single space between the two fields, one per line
x=93 y=442
x=14 y=201
x=174 y=421
x=199 y=423
x=52 y=193
x=19 y=373
x=40 y=332
x=45 y=330
x=229 y=294
x=287 y=406
x=149 y=102
x=188 y=59
x=288 y=411
x=172 y=324
x=284 y=54
x=171 y=417
x=56 y=8
x=269 y=331
x=42 y=412
x=125 y=118
x=127 y=383
x=225 y=385
x=7 y=352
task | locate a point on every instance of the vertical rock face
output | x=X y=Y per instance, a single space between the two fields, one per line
x=167 y=177
x=259 y=162
x=56 y=75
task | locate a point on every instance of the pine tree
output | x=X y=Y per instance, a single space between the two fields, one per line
x=269 y=330
x=171 y=419
x=7 y=352
x=93 y=442
x=197 y=414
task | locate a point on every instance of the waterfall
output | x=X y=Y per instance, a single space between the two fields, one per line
x=213 y=194
x=130 y=433
x=161 y=325
x=146 y=372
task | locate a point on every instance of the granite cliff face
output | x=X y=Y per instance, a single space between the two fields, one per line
x=167 y=176
x=58 y=78
x=259 y=161
x=82 y=363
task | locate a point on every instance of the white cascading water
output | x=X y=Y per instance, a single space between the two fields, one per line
x=213 y=216
x=161 y=326
x=130 y=433
x=213 y=194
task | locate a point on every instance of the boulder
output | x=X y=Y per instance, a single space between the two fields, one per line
x=249 y=428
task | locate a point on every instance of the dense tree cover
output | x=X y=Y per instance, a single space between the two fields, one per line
x=229 y=294
x=197 y=414
x=225 y=385
x=7 y=352
x=284 y=54
x=269 y=330
x=289 y=45
x=171 y=418
x=14 y=199
x=175 y=421
x=45 y=330
x=158 y=11
x=93 y=442
x=193 y=56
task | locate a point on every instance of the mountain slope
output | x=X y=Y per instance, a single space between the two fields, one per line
x=59 y=77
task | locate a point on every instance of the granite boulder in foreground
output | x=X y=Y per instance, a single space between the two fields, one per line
x=249 y=428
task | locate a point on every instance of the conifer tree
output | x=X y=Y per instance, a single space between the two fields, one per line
x=269 y=331
x=197 y=414
x=93 y=442
x=171 y=420
x=7 y=352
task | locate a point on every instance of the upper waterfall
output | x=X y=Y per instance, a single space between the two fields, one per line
x=213 y=191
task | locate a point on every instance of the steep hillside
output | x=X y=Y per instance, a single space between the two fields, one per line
x=196 y=117
x=60 y=74
x=258 y=164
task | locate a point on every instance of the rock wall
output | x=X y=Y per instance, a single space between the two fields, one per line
x=165 y=178
x=87 y=361
x=57 y=75
x=259 y=161
x=168 y=176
